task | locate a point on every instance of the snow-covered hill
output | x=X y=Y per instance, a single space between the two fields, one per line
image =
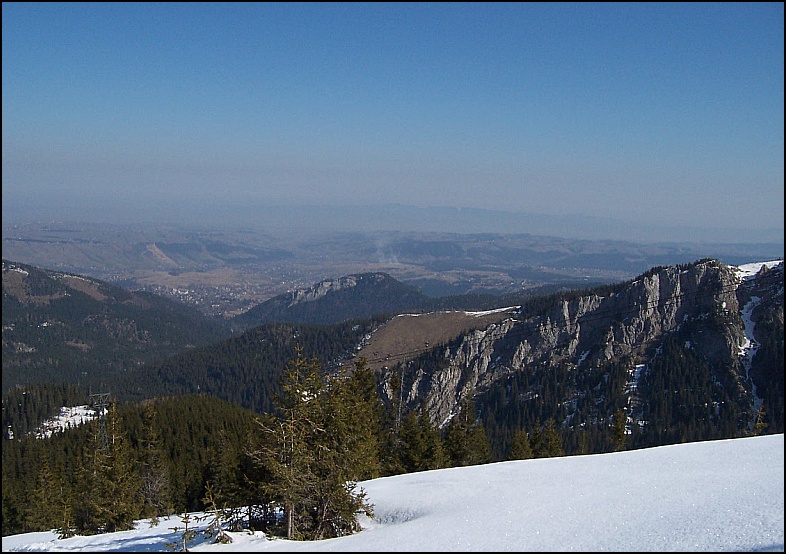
x=709 y=496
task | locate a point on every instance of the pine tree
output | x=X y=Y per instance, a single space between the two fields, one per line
x=154 y=490
x=520 y=448
x=466 y=441
x=308 y=470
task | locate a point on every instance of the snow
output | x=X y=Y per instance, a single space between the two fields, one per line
x=748 y=271
x=725 y=495
x=495 y=311
x=748 y=348
x=709 y=496
x=67 y=417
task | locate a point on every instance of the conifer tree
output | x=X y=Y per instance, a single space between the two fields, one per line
x=547 y=441
x=121 y=481
x=466 y=441
x=619 y=437
x=308 y=471
x=289 y=456
x=355 y=420
x=583 y=447
x=155 y=493
x=63 y=499
x=421 y=447
x=760 y=425
x=520 y=448
x=43 y=503
x=107 y=498
x=390 y=441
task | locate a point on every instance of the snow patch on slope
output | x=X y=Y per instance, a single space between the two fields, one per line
x=68 y=417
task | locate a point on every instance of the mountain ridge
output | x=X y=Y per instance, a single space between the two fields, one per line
x=66 y=327
x=579 y=352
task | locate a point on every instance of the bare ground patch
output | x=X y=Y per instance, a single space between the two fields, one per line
x=408 y=335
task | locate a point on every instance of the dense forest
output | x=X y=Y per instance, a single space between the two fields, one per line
x=185 y=453
x=189 y=452
x=244 y=370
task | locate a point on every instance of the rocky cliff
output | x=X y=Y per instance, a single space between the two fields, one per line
x=699 y=302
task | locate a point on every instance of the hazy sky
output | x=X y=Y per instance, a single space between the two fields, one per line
x=668 y=113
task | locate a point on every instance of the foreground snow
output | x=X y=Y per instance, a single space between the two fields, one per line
x=710 y=496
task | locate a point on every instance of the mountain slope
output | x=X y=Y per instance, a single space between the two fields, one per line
x=714 y=496
x=331 y=301
x=64 y=327
x=683 y=353
x=246 y=369
x=665 y=349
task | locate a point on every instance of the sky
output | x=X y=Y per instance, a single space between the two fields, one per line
x=714 y=496
x=667 y=114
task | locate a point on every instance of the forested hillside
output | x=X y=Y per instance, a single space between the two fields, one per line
x=245 y=370
x=59 y=327
x=169 y=449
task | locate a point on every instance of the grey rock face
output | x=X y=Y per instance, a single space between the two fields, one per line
x=321 y=289
x=587 y=329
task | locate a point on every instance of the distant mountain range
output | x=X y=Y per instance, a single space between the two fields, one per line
x=303 y=220
x=228 y=270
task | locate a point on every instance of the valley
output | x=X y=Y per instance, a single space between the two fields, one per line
x=225 y=271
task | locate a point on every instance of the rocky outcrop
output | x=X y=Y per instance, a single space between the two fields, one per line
x=627 y=323
x=321 y=289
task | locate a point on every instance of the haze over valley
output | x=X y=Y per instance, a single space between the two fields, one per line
x=226 y=270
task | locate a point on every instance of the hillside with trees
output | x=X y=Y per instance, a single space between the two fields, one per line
x=60 y=327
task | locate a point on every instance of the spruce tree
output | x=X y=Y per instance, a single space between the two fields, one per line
x=355 y=420
x=421 y=447
x=42 y=504
x=547 y=441
x=390 y=441
x=619 y=436
x=760 y=425
x=520 y=448
x=121 y=482
x=107 y=483
x=289 y=456
x=466 y=441
x=309 y=470
x=154 y=491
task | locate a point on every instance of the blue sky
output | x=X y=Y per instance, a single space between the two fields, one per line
x=667 y=113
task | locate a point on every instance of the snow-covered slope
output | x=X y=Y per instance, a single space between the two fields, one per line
x=709 y=496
